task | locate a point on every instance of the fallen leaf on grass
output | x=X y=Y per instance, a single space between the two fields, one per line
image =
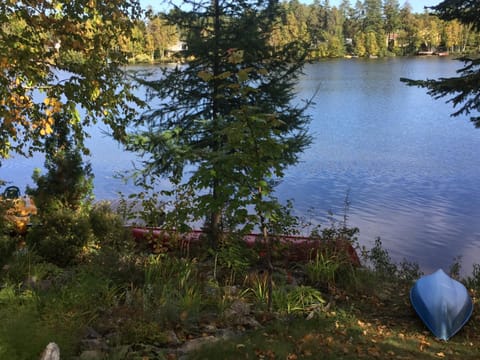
x=269 y=354
x=423 y=344
x=374 y=351
x=440 y=354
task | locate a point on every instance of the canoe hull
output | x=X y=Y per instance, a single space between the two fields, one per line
x=294 y=248
x=442 y=303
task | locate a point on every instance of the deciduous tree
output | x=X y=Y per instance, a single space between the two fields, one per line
x=61 y=58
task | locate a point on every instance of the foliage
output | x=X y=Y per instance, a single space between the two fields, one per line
x=7 y=247
x=304 y=299
x=467 y=12
x=108 y=228
x=67 y=181
x=42 y=41
x=381 y=261
x=228 y=129
x=233 y=260
x=137 y=300
x=28 y=268
x=473 y=281
x=7 y=242
x=22 y=320
x=382 y=265
x=465 y=88
x=322 y=269
x=61 y=235
x=384 y=27
x=171 y=291
x=258 y=288
x=145 y=207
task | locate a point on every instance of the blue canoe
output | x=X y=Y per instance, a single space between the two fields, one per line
x=442 y=303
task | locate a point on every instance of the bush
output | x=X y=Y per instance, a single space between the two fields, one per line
x=62 y=235
x=107 y=227
x=7 y=242
x=7 y=247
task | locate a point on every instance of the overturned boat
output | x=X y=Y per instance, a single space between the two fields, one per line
x=442 y=303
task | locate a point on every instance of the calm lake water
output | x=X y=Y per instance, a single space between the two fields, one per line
x=410 y=171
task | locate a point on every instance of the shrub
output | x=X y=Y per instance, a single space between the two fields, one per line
x=62 y=235
x=27 y=268
x=7 y=242
x=380 y=260
x=7 y=247
x=107 y=227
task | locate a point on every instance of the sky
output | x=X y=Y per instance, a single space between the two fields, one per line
x=417 y=5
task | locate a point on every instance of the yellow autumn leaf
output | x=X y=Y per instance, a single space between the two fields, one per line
x=95 y=93
x=262 y=71
x=243 y=75
x=204 y=75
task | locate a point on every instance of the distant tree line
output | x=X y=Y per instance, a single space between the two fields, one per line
x=369 y=28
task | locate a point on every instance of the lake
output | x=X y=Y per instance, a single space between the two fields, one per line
x=409 y=170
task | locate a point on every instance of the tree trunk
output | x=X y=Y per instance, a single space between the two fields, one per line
x=216 y=216
x=215 y=222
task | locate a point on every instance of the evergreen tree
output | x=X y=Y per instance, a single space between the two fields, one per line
x=465 y=88
x=68 y=181
x=391 y=10
x=227 y=112
x=373 y=16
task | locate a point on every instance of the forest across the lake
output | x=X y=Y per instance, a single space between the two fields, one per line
x=370 y=28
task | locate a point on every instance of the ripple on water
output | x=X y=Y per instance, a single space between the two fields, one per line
x=425 y=219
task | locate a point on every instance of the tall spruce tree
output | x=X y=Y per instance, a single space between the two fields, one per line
x=225 y=113
x=465 y=88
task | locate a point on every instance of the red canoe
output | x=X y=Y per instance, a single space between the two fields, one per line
x=295 y=248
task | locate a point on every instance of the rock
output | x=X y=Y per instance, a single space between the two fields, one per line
x=238 y=308
x=195 y=344
x=172 y=338
x=231 y=291
x=51 y=352
x=91 y=333
x=93 y=341
x=92 y=355
x=239 y=313
x=93 y=344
